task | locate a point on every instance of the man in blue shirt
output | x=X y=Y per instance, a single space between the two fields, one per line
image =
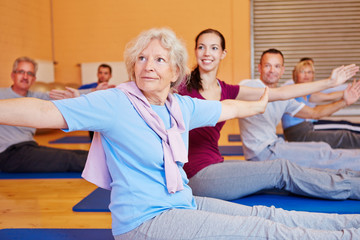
x=104 y=76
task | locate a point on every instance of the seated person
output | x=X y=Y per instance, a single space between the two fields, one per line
x=210 y=176
x=104 y=75
x=140 y=146
x=18 y=150
x=258 y=133
x=304 y=130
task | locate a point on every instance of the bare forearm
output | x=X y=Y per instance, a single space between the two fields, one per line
x=326 y=97
x=284 y=92
x=240 y=109
x=338 y=76
x=30 y=112
x=328 y=109
x=298 y=90
x=321 y=111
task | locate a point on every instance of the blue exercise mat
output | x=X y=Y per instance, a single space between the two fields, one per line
x=237 y=137
x=231 y=150
x=99 y=199
x=234 y=138
x=72 y=139
x=55 y=234
x=298 y=203
x=4 y=175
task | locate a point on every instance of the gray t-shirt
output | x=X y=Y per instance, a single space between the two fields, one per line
x=259 y=131
x=10 y=135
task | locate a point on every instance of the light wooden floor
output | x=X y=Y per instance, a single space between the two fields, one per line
x=47 y=203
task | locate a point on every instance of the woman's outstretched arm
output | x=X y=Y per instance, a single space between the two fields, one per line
x=241 y=109
x=338 y=76
x=30 y=112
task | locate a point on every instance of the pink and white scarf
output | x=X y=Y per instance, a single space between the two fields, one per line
x=96 y=170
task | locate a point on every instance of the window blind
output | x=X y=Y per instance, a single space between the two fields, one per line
x=326 y=30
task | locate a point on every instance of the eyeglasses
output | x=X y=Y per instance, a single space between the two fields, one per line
x=22 y=72
x=308 y=72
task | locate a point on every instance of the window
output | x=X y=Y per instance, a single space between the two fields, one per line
x=326 y=30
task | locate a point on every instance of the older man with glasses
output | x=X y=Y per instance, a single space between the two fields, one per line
x=18 y=150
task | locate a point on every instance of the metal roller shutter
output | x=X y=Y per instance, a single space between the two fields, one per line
x=326 y=30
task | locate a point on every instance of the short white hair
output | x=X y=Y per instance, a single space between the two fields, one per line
x=177 y=51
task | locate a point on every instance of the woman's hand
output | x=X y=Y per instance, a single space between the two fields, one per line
x=262 y=103
x=340 y=74
x=103 y=86
x=57 y=94
x=352 y=93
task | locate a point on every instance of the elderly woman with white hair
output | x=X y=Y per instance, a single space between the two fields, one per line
x=141 y=145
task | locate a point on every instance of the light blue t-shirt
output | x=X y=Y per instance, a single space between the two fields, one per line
x=134 y=153
x=259 y=131
x=289 y=121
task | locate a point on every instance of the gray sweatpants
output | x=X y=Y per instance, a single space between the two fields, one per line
x=311 y=154
x=217 y=219
x=305 y=132
x=235 y=179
